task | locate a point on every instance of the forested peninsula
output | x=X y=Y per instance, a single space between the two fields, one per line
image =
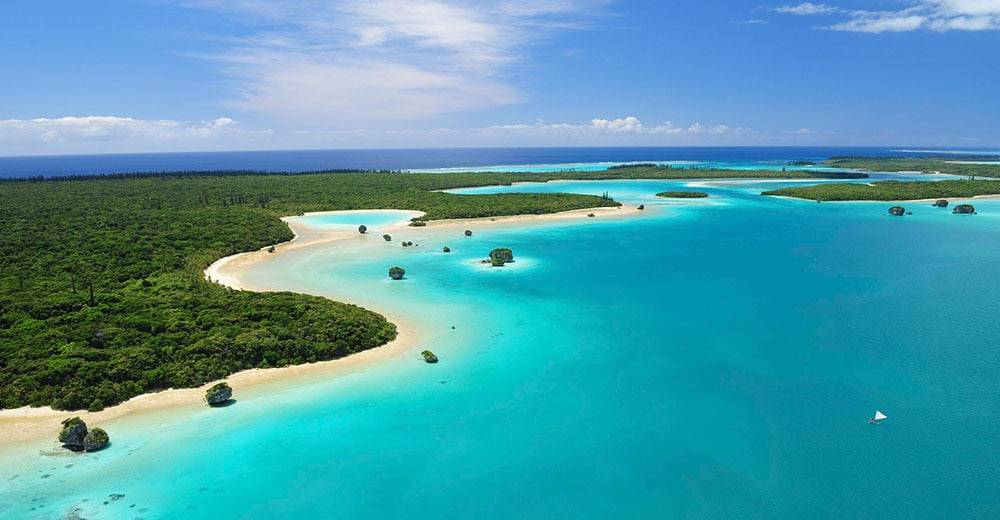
x=102 y=295
x=976 y=180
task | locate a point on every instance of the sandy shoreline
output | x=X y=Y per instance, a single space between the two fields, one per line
x=28 y=424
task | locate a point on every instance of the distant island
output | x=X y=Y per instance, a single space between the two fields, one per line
x=682 y=194
x=902 y=190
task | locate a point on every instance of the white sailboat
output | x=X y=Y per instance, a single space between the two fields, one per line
x=879 y=417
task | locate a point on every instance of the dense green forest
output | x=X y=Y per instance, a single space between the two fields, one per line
x=949 y=165
x=102 y=296
x=891 y=190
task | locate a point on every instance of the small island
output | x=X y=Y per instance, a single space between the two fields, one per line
x=891 y=190
x=397 y=273
x=429 y=357
x=500 y=256
x=964 y=209
x=682 y=194
x=897 y=211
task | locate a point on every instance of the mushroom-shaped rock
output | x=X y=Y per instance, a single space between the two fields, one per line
x=964 y=209
x=362 y=229
x=429 y=356
x=943 y=203
x=219 y=393
x=446 y=249
x=468 y=233
x=502 y=253
x=496 y=262
x=387 y=237
x=397 y=273
x=641 y=207
x=96 y=439
x=73 y=434
x=897 y=211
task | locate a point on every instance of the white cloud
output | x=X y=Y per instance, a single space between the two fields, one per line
x=112 y=133
x=931 y=15
x=599 y=130
x=341 y=63
x=807 y=8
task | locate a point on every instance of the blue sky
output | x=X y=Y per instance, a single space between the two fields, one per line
x=159 y=75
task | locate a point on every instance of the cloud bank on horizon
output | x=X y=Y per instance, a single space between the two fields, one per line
x=398 y=73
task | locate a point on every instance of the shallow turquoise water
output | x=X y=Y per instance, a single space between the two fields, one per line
x=707 y=359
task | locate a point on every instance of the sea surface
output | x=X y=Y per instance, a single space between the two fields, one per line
x=705 y=359
x=440 y=159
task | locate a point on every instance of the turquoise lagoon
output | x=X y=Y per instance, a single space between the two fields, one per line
x=705 y=359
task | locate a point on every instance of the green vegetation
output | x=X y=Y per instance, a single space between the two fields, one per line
x=891 y=190
x=919 y=164
x=682 y=194
x=429 y=356
x=102 y=295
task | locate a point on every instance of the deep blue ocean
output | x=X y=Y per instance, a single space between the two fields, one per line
x=416 y=159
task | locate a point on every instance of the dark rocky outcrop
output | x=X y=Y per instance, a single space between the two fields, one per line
x=73 y=434
x=219 y=394
x=76 y=437
x=362 y=229
x=468 y=233
x=503 y=254
x=270 y=249
x=429 y=356
x=496 y=262
x=96 y=439
x=943 y=203
x=897 y=211
x=590 y=214
x=387 y=237
x=964 y=209
x=641 y=207
x=446 y=249
x=397 y=273
x=418 y=223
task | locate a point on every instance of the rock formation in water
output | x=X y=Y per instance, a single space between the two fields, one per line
x=397 y=273
x=362 y=229
x=219 y=393
x=590 y=214
x=468 y=233
x=964 y=209
x=897 y=211
x=641 y=207
x=943 y=203
x=73 y=433
x=96 y=439
x=76 y=437
x=429 y=356
x=387 y=237
x=501 y=253
x=446 y=249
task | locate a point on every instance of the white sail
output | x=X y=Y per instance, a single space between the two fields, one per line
x=879 y=416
